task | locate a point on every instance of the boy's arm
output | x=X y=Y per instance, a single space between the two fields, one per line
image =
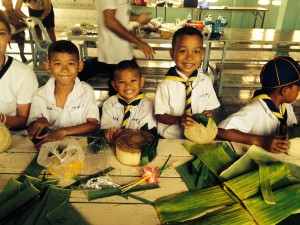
x=168 y=119
x=116 y=27
x=275 y=144
x=47 y=9
x=90 y=126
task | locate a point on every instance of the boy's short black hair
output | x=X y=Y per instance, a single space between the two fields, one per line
x=185 y=31
x=126 y=64
x=63 y=46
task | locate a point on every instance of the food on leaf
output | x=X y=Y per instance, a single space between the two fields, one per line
x=202 y=132
x=129 y=145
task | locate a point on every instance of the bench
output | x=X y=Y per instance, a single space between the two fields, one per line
x=239 y=75
x=153 y=77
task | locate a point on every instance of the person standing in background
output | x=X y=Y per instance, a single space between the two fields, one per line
x=14 y=20
x=43 y=10
x=115 y=39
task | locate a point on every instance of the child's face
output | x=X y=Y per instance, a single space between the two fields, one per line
x=128 y=83
x=4 y=38
x=291 y=93
x=188 y=53
x=64 y=67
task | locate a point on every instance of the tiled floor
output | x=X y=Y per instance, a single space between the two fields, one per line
x=231 y=98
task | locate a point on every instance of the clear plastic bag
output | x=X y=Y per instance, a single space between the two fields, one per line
x=62 y=158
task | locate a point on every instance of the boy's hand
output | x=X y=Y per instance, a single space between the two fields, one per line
x=110 y=134
x=276 y=144
x=52 y=136
x=208 y=113
x=36 y=128
x=187 y=120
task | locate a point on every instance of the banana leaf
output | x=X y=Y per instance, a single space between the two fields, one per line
x=149 y=152
x=96 y=194
x=16 y=202
x=65 y=214
x=213 y=155
x=52 y=198
x=33 y=170
x=228 y=215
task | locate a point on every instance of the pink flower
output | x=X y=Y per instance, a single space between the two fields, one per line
x=151 y=174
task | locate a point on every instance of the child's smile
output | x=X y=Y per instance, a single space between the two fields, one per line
x=187 y=53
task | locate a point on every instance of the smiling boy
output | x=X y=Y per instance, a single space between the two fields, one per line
x=64 y=105
x=129 y=108
x=185 y=90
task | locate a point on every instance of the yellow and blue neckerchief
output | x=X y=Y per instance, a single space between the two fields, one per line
x=281 y=116
x=173 y=75
x=129 y=106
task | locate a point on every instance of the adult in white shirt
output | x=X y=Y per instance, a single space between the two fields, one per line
x=115 y=39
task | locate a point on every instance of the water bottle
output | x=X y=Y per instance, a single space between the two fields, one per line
x=189 y=18
x=218 y=24
x=206 y=21
x=222 y=27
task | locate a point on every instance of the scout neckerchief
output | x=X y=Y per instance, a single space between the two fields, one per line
x=173 y=75
x=6 y=66
x=281 y=116
x=129 y=106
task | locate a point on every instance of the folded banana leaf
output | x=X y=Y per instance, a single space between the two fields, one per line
x=149 y=152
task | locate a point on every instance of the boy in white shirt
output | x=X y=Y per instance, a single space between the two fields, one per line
x=185 y=90
x=265 y=119
x=129 y=108
x=64 y=105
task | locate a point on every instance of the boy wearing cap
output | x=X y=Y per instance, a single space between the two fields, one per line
x=264 y=120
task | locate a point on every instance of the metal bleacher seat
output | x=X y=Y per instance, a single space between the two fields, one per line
x=39 y=47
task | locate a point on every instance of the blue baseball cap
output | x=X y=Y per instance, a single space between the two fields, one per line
x=280 y=71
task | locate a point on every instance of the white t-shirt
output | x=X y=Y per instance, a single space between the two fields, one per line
x=170 y=98
x=257 y=118
x=113 y=113
x=80 y=105
x=111 y=48
x=17 y=86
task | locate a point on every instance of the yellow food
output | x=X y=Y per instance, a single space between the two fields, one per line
x=294 y=149
x=200 y=134
x=5 y=138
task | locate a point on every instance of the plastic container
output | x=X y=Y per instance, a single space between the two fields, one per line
x=189 y=18
x=222 y=27
x=218 y=24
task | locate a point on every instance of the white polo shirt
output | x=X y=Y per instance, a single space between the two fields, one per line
x=113 y=113
x=170 y=98
x=112 y=49
x=79 y=106
x=17 y=86
x=257 y=118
